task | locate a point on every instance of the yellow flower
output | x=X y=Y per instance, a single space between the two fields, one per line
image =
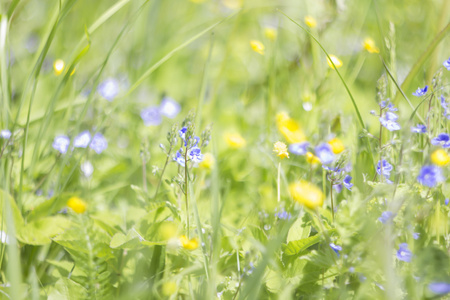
x=188 y=244
x=235 y=140
x=257 y=46
x=77 y=205
x=440 y=157
x=289 y=128
x=336 y=145
x=232 y=4
x=370 y=46
x=306 y=194
x=58 y=66
x=271 y=33
x=310 y=22
x=337 y=62
x=207 y=162
x=312 y=159
x=281 y=150
x=169 y=288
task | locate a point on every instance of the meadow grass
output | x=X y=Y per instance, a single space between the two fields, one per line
x=224 y=149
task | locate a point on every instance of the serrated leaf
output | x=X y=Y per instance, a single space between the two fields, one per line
x=295 y=247
x=40 y=232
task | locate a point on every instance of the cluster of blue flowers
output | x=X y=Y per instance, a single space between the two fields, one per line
x=430 y=176
x=384 y=169
x=389 y=118
x=152 y=116
x=194 y=153
x=98 y=142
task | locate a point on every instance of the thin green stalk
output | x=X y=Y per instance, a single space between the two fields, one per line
x=186 y=193
x=279 y=182
x=162 y=172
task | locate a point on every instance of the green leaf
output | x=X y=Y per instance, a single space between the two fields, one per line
x=296 y=247
x=122 y=241
x=67 y=289
x=18 y=219
x=299 y=230
x=41 y=231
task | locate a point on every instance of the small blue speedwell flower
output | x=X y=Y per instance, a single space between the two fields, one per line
x=420 y=92
x=442 y=139
x=389 y=120
x=82 y=140
x=61 y=143
x=151 y=116
x=386 y=216
x=384 y=168
x=347 y=183
x=5 y=134
x=99 y=143
x=403 y=253
x=420 y=128
x=336 y=248
x=169 y=107
x=324 y=153
x=446 y=64
x=299 y=148
x=191 y=146
x=440 y=288
x=109 y=89
x=430 y=176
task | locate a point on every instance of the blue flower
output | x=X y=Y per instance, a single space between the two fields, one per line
x=337 y=188
x=440 y=288
x=336 y=248
x=195 y=154
x=390 y=121
x=403 y=253
x=385 y=167
x=347 y=183
x=283 y=215
x=5 y=134
x=446 y=201
x=151 y=116
x=390 y=106
x=61 y=143
x=324 y=153
x=420 y=92
x=420 y=128
x=442 y=139
x=446 y=64
x=179 y=158
x=430 y=176
x=82 y=140
x=109 y=89
x=416 y=235
x=182 y=132
x=386 y=216
x=299 y=148
x=169 y=107
x=99 y=143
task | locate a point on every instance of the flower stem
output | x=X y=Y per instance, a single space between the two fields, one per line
x=279 y=181
x=162 y=172
x=186 y=191
x=332 y=204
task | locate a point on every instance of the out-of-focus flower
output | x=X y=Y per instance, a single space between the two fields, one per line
x=347 y=182
x=403 y=253
x=235 y=140
x=4 y=238
x=324 y=153
x=312 y=159
x=299 y=148
x=420 y=128
x=389 y=105
x=370 y=46
x=420 y=92
x=271 y=33
x=182 y=133
x=207 y=162
x=306 y=194
x=446 y=201
x=109 y=89
x=336 y=145
x=5 y=134
x=390 y=121
x=169 y=288
x=386 y=216
x=87 y=169
x=169 y=108
x=416 y=235
x=446 y=64
x=440 y=157
x=336 y=248
x=151 y=116
x=337 y=62
x=232 y=4
x=289 y=128
x=257 y=46
x=195 y=155
x=99 y=143
x=61 y=143
x=188 y=244
x=283 y=215
x=384 y=168
x=440 y=288
x=82 y=140
x=281 y=150
x=430 y=176
x=77 y=205
x=58 y=66
x=179 y=158
x=310 y=22
x=442 y=139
